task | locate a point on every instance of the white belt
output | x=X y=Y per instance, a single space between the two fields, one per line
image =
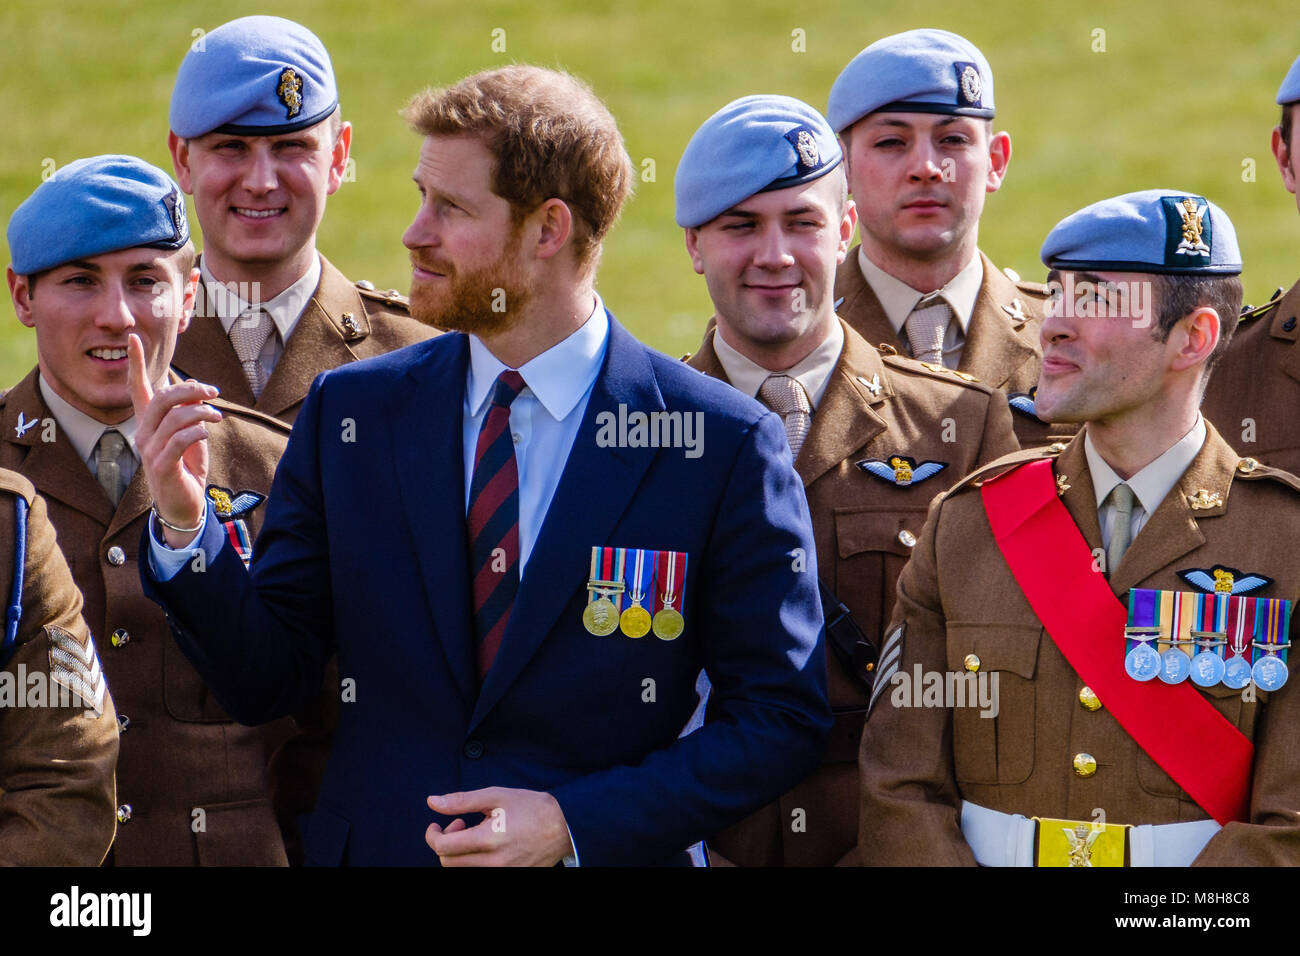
x=1007 y=839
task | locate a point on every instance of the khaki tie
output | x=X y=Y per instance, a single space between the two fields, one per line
x=108 y=468
x=785 y=396
x=1121 y=496
x=926 y=328
x=248 y=335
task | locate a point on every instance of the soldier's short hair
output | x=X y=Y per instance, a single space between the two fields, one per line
x=1179 y=295
x=1286 y=123
x=551 y=136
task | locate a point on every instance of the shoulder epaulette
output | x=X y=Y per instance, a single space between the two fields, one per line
x=1033 y=288
x=1249 y=312
x=904 y=364
x=1251 y=470
x=1004 y=464
x=390 y=297
x=243 y=411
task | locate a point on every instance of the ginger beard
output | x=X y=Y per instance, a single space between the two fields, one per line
x=485 y=301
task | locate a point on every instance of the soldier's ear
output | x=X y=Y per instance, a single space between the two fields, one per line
x=1282 y=153
x=339 y=158
x=187 y=308
x=999 y=158
x=693 y=249
x=180 y=150
x=20 y=291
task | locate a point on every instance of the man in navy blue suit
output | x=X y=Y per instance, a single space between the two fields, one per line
x=523 y=539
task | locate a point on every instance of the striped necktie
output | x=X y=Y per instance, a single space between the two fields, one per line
x=493 y=522
x=926 y=328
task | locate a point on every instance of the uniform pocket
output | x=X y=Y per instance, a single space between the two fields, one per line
x=185 y=695
x=993 y=738
x=871 y=549
x=1226 y=701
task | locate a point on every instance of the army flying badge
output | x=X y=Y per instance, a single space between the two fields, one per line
x=290 y=91
x=1221 y=580
x=901 y=470
x=230 y=508
x=1024 y=403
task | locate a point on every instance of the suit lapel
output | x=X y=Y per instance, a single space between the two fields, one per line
x=595 y=489
x=1080 y=497
x=52 y=466
x=845 y=420
x=318 y=342
x=1000 y=338
x=858 y=305
x=1287 y=310
x=428 y=455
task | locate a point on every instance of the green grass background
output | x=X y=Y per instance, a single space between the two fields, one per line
x=1182 y=95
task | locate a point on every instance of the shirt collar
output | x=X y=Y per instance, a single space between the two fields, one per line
x=559 y=377
x=898 y=299
x=813 y=372
x=1156 y=480
x=82 y=430
x=285 y=308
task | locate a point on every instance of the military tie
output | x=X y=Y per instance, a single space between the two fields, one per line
x=926 y=328
x=108 y=468
x=785 y=396
x=248 y=335
x=1121 y=496
x=493 y=522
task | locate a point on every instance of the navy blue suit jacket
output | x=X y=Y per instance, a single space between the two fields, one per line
x=363 y=551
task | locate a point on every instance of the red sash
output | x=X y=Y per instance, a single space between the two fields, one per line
x=1196 y=745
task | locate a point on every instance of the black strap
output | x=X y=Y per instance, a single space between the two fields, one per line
x=856 y=654
x=15 y=612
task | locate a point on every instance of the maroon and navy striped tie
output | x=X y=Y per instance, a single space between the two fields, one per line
x=493 y=521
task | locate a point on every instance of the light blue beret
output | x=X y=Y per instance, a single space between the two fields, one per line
x=97 y=205
x=920 y=71
x=1289 y=91
x=752 y=145
x=1157 y=230
x=255 y=76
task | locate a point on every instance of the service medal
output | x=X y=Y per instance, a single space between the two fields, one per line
x=1175 y=666
x=600 y=617
x=604 y=591
x=1142 y=662
x=1269 y=672
x=1272 y=624
x=1210 y=635
x=668 y=622
x=636 y=620
x=1207 y=669
x=1236 y=673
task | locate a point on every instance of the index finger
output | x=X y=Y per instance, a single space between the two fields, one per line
x=136 y=377
x=473 y=801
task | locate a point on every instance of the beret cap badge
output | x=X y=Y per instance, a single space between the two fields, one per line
x=806 y=146
x=290 y=91
x=969 y=84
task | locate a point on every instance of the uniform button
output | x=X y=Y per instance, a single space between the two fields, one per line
x=1247 y=465
x=123 y=723
x=1088 y=697
x=474 y=749
x=124 y=813
x=116 y=556
x=120 y=638
x=908 y=539
x=1085 y=765
x=972 y=662
x=1289 y=325
x=1056 y=447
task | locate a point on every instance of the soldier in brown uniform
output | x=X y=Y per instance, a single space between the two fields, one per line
x=1256 y=389
x=763 y=197
x=57 y=752
x=257 y=140
x=102 y=250
x=1020 y=586
x=914 y=112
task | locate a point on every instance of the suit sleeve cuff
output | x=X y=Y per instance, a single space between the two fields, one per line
x=166 y=562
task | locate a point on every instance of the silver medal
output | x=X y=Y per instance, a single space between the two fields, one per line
x=1142 y=662
x=1236 y=673
x=1175 y=666
x=1269 y=672
x=1207 y=669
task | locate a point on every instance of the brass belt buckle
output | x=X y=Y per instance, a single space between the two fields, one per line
x=1076 y=843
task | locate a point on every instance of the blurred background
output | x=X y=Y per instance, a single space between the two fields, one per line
x=1099 y=98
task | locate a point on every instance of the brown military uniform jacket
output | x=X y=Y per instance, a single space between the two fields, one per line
x=1253 y=395
x=874 y=407
x=341 y=323
x=180 y=754
x=1002 y=347
x=56 y=762
x=957 y=597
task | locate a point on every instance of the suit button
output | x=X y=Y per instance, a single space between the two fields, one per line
x=473 y=749
x=1085 y=765
x=124 y=813
x=120 y=638
x=116 y=556
x=1089 y=699
x=123 y=723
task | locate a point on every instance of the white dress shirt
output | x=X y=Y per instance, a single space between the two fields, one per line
x=84 y=432
x=1150 y=485
x=285 y=309
x=813 y=372
x=898 y=299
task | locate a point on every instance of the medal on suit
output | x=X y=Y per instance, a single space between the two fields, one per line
x=636 y=621
x=604 y=591
x=668 y=622
x=1272 y=625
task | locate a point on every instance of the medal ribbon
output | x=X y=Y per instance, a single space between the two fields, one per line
x=641 y=577
x=1053 y=564
x=611 y=569
x=1211 y=616
x=1241 y=627
x=672 y=580
x=1143 y=611
x=1273 y=624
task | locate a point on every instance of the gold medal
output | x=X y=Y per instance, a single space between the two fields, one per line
x=635 y=621
x=668 y=624
x=600 y=617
